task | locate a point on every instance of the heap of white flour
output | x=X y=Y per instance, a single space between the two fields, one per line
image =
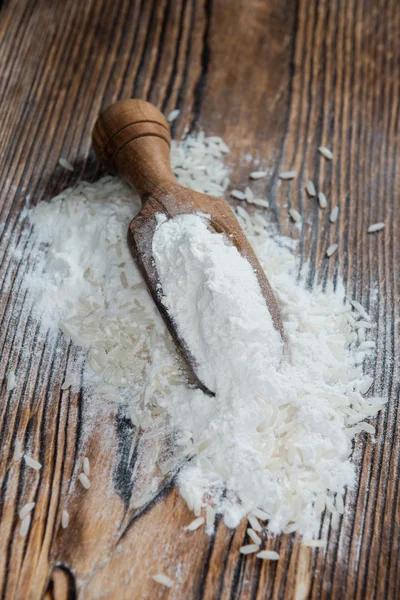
x=277 y=436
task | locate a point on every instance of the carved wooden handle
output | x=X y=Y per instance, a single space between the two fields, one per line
x=132 y=138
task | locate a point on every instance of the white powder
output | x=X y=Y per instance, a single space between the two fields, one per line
x=214 y=296
x=277 y=436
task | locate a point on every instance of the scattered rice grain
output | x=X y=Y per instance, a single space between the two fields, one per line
x=18 y=451
x=65 y=164
x=163 y=580
x=254 y=523
x=31 y=462
x=174 y=114
x=310 y=189
x=296 y=216
x=323 y=202
x=253 y=536
x=375 y=227
x=64 y=519
x=334 y=214
x=260 y=514
x=25 y=524
x=84 y=480
x=332 y=249
x=257 y=174
x=210 y=517
x=25 y=510
x=268 y=555
x=366 y=384
x=11 y=381
x=194 y=524
x=360 y=309
x=68 y=381
x=326 y=153
x=367 y=428
x=248 y=194
x=286 y=175
x=238 y=195
x=261 y=202
x=86 y=466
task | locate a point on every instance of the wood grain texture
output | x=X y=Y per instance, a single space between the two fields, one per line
x=275 y=78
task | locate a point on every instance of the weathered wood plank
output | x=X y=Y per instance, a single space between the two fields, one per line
x=276 y=79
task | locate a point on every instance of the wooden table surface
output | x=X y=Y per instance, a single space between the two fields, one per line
x=276 y=79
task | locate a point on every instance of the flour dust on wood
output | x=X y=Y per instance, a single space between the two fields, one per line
x=275 y=443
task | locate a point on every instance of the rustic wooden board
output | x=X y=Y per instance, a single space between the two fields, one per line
x=276 y=78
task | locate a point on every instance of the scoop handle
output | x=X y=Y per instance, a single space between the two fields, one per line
x=132 y=138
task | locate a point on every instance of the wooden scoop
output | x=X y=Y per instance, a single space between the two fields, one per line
x=132 y=138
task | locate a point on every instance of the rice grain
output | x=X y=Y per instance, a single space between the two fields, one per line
x=25 y=510
x=286 y=175
x=11 y=381
x=260 y=514
x=174 y=114
x=326 y=153
x=64 y=519
x=18 y=451
x=375 y=227
x=65 y=164
x=84 y=480
x=332 y=249
x=253 y=536
x=334 y=214
x=254 y=523
x=261 y=202
x=268 y=555
x=163 y=580
x=86 y=466
x=210 y=517
x=310 y=189
x=68 y=381
x=248 y=194
x=295 y=215
x=257 y=174
x=249 y=549
x=238 y=195
x=367 y=428
x=25 y=524
x=195 y=524
x=31 y=462
x=360 y=309
x=323 y=202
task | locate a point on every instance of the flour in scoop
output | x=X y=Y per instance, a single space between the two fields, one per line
x=213 y=295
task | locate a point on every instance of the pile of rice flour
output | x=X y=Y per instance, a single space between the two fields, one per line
x=277 y=437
